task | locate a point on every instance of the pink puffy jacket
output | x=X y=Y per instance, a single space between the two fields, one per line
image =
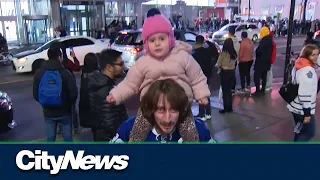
x=179 y=65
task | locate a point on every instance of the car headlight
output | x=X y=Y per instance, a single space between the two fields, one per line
x=5 y=96
x=226 y=35
x=22 y=60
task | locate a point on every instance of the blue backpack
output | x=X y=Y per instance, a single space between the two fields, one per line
x=50 y=89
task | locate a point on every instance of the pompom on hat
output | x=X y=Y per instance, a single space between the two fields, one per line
x=157 y=24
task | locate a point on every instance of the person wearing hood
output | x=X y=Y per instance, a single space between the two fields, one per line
x=106 y=118
x=153 y=12
x=263 y=60
x=164 y=59
x=304 y=105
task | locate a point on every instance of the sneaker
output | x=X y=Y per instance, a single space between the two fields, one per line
x=248 y=89
x=203 y=118
x=208 y=116
x=268 y=89
x=241 y=91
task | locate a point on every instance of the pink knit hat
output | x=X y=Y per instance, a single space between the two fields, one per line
x=157 y=24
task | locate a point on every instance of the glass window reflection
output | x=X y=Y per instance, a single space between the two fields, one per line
x=8 y=8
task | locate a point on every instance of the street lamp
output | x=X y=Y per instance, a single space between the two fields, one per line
x=249 y=9
x=288 y=50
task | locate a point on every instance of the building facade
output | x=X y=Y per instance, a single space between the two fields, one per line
x=25 y=21
x=34 y=21
x=281 y=9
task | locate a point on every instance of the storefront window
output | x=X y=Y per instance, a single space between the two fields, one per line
x=40 y=7
x=265 y=11
x=108 y=8
x=129 y=8
x=24 y=5
x=8 y=8
x=115 y=8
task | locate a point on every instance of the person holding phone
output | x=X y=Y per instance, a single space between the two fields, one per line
x=71 y=66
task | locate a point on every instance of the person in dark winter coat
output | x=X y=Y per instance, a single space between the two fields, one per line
x=263 y=60
x=56 y=115
x=106 y=118
x=89 y=67
x=206 y=57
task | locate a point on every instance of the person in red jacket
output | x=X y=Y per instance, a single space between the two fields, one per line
x=273 y=60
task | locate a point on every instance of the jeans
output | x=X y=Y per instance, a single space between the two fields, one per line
x=227 y=79
x=66 y=127
x=269 y=79
x=75 y=120
x=308 y=130
x=244 y=71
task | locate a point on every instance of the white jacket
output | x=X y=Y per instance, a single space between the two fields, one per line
x=305 y=102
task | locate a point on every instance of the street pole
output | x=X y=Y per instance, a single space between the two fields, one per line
x=304 y=15
x=288 y=50
x=249 y=9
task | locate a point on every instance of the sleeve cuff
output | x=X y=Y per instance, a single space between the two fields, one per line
x=307 y=112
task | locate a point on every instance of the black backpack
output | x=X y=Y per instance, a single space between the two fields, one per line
x=289 y=91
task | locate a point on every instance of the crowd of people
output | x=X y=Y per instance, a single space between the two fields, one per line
x=168 y=78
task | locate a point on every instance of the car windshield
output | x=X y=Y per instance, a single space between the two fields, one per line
x=127 y=38
x=226 y=28
x=46 y=45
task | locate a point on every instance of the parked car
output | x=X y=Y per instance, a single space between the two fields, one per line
x=30 y=61
x=222 y=34
x=6 y=113
x=130 y=43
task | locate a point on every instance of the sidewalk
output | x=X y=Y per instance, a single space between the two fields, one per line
x=259 y=119
x=255 y=119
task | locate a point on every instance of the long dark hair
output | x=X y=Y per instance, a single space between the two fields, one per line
x=90 y=63
x=229 y=48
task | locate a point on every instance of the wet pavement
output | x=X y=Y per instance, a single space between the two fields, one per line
x=255 y=119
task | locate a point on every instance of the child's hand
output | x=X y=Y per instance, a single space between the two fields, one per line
x=203 y=101
x=111 y=100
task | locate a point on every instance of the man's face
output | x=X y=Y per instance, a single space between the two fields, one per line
x=165 y=117
x=117 y=67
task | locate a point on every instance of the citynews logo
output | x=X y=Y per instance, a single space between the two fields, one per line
x=40 y=160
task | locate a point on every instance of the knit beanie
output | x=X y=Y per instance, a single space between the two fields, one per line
x=157 y=24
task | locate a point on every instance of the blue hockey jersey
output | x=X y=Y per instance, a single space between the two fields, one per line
x=123 y=133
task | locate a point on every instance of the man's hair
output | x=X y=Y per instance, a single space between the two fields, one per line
x=232 y=30
x=199 y=39
x=54 y=52
x=153 y=12
x=170 y=90
x=108 y=56
x=244 y=34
